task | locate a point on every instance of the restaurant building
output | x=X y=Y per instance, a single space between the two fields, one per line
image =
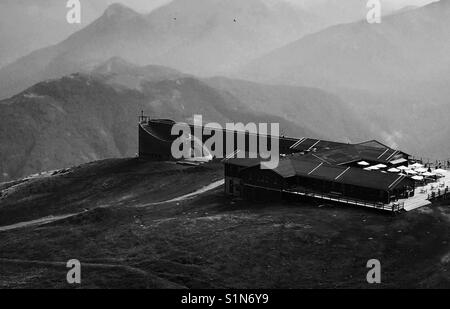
x=329 y=171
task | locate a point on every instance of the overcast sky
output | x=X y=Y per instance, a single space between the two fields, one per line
x=26 y=25
x=148 y=5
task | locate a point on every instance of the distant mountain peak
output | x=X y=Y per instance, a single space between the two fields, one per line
x=119 y=10
x=114 y=64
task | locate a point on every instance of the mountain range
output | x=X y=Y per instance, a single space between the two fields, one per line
x=43 y=23
x=84 y=117
x=406 y=49
x=349 y=82
x=202 y=37
x=394 y=75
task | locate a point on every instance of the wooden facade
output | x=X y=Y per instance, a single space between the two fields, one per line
x=257 y=184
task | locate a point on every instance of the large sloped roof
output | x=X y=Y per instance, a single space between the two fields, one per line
x=342 y=153
x=374 y=144
x=306 y=144
x=349 y=175
x=371 y=179
x=347 y=153
x=302 y=166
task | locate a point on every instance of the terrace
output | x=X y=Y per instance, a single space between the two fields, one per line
x=427 y=192
x=393 y=207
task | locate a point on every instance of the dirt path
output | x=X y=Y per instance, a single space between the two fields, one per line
x=209 y=187
x=50 y=219
x=156 y=280
x=36 y=222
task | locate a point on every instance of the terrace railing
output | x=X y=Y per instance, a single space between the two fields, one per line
x=441 y=191
x=143 y=119
x=394 y=207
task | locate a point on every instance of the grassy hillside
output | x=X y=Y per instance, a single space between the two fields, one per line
x=209 y=241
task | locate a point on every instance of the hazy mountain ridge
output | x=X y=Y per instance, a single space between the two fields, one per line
x=27 y=25
x=196 y=36
x=63 y=122
x=394 y=75
x=310 y=107
x=412 y=47
x=81 y=118
x=43 y=23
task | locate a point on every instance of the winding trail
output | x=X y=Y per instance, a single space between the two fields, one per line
x=37 y=222
x=156 y=281
x=51 y=219
x=205 y=189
